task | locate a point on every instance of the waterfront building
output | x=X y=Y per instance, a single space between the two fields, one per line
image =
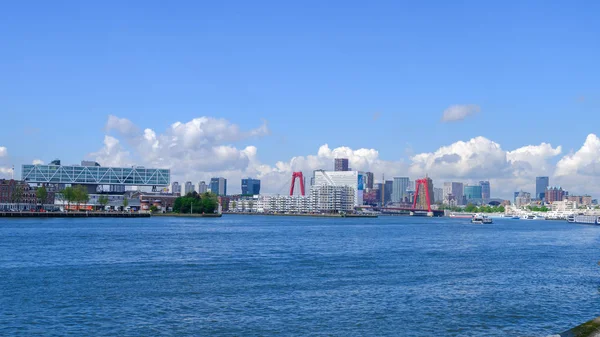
x=473 y=194
x=485 y=191
x=341 y=164
x=553 y=194
x=422 y=196
x=95 y=175
x=353 y=179
x=202 y=187
x=564 y=206
x=218 y=186
x=189 y=188
x=399 y=189
x=332 y=199
x=453 y=193
x=541 y=184
x=582 y=200
x=17 y=192
x=250 y=186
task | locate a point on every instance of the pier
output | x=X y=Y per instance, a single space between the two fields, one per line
x=73 y=215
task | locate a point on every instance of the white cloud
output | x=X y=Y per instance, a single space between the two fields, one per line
x=37 y=162
x=112 y=153
x=586 y=161
x=3 y=151
x=122 y=125
x=207 y=147
x=459 y=112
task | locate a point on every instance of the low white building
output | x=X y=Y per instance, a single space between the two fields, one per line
x=352 y=179
x=564 y=206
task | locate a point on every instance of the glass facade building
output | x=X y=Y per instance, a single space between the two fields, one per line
x=250 y=186
x=473 y=194
x=541 y=184
x=96 y=175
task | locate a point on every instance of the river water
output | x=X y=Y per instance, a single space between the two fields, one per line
x=293 y=276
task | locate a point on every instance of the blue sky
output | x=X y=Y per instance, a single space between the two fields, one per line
x=317 y=71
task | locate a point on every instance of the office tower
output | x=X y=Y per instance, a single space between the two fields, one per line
x=176 y=189
x=218 y=186
x=541 y=184
x=473 y=194
x=438 y=194
x=341 y=164
x=369 y=180
x=250 y=186
x=399 y=189
x=202 y=187
x=189 y=187
x=453 y=193
x=388 y=191
x=485 y=191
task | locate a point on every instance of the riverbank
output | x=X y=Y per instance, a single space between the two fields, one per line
x=308 y=215
x=187 y=215
x=73 y=215
x=587 y=329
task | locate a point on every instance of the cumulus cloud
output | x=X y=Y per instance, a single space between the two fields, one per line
x=585 y=162
x=482 y=159
x=459 y=112
x=37 y=162
x=208 y=147
x=122 y=125
x=3 y=151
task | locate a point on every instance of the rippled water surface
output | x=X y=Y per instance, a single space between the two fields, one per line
x=259 y=276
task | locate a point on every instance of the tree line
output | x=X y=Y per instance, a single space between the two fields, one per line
x=471 y=208
x=196 y=203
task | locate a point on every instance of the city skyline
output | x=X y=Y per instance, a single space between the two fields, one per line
x=212 y=93
x=367 y=160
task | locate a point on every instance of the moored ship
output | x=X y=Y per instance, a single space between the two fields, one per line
x=584 y=219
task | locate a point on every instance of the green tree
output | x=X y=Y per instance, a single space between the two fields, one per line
x=42 y=195
x=501 y=209
x=153 y=209
x=470 y=208
x=17 y=194
x=234 y=205
x=68 y=195
x=103 y=200
x=125 y=203
x=81 y=195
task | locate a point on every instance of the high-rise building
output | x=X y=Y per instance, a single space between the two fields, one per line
x=218 y=186
x=453 y=193
x=388 y=191
x=341 y=164
x=473 y=194
x=202 y=187
x=176 y=188
x=189 y=188
x=399 y=189
x=438 y=195
x=523 y=199
x=369 y=180
x=250 y=186
x=554 y=194
x=422 y=196
x=485 y=191
x=541 y=184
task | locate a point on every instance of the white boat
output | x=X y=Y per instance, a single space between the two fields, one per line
x=481 y=219
x=584 y=219
x=531 y=217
